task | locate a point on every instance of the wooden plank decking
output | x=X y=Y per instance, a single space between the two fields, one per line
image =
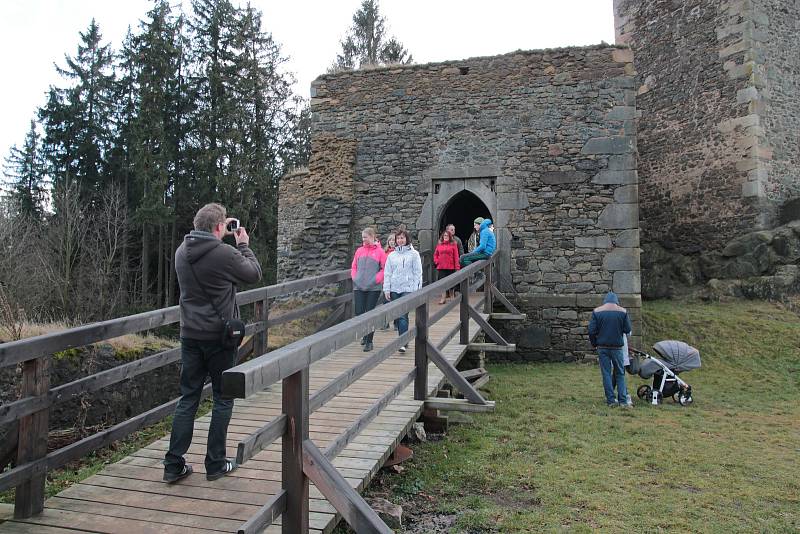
x=130 y=497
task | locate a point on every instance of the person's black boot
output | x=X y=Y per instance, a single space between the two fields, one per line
x=368 y=346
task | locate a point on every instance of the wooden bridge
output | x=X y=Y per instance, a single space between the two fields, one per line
x=339 y=412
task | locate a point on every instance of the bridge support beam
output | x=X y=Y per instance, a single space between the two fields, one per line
x=295 y=482
x=464 y=312
x=32 y=444
x=421 y=353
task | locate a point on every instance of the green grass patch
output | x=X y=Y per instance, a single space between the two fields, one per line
x=554 y=458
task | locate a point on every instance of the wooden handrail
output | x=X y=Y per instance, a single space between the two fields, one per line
x=27 y=405
x=14 y=352
x=301 y=460
x=31 y=410
x=259 y=373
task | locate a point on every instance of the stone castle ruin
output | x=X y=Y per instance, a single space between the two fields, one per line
x=718 y=141
x=545 y=144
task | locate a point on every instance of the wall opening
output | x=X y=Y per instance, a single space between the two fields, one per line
x=461 y=210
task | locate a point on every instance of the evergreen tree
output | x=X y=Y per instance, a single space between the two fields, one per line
x=25 y=171
x=120 y=161
x=154 y=131
x=211 y=32
x=78 y=119
x=264 y=121
x=365 y=43
x=191 y=110
x=298 y=147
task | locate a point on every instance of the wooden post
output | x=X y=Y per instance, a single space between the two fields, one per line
x=261 y=339
x=464 y=312
x=421 y=352
x=295 y=482
x=431 y=270
x=348 y=306
x=32 y=441
x=487 y=288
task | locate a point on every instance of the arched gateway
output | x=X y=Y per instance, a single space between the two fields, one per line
x=461 y=211
x=455 y=199
x=542 y=141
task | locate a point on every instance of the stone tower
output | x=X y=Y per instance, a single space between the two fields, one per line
x=543 y=142
x=719 y=133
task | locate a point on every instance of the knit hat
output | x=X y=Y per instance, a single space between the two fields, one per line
x=478 y=220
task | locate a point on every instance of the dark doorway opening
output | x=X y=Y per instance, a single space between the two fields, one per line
x=461 y=211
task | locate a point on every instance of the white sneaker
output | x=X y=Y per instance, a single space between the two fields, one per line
x=403 y=348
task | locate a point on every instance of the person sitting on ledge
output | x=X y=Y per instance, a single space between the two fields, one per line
x=486 y=246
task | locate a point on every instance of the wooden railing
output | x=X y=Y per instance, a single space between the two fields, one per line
x=26 y=444
x=26 y=448
x=302 y=461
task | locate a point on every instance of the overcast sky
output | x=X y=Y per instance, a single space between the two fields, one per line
x=35 y=34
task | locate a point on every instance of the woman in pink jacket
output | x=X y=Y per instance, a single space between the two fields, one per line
x=367 y=274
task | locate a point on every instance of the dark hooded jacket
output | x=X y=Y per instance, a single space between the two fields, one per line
x=609 y=323
x=219 y=267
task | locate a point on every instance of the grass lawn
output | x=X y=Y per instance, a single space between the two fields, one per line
x=554 y=458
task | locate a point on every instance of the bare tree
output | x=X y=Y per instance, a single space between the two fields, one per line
x=103 y=280
x=60 y=256
x=19 y=235
x=12 y=318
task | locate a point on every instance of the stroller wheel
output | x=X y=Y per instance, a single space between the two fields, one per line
x=643 y=391
x=686 y=400
x=676 y=397
x=654 y=397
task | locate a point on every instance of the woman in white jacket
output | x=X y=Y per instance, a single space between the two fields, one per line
x=402 y=275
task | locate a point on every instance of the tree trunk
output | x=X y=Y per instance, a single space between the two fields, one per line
x=171 y=264
x=145 y=264
x=123 y=265
x=160 y=281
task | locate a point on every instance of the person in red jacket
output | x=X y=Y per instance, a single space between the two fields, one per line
x=445 y=258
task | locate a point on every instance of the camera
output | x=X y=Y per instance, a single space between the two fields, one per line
x=232 y=225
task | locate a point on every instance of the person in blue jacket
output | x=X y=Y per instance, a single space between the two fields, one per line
x=486 y=246
x=607 y=329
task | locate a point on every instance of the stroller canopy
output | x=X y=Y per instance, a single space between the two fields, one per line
x=678 y=356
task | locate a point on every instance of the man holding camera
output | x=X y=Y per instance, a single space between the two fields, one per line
x=208 y=272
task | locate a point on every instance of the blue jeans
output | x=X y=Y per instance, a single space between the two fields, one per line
x=466 y=259
x=611 y=361
x=365 y=301
x=401 y=323
x=199 y=359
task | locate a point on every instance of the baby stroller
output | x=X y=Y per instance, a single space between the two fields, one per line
x=677 y=357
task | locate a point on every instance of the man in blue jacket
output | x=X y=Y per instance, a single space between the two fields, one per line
x=608 y=326
x=486 y=246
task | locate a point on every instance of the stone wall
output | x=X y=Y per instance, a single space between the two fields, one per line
x=545 y=139
x=718 y=117
x=776 y=38
x=315 y=212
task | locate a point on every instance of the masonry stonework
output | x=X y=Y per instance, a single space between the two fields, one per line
x=718 y=135
x=546 y=140
x=316 y=211
x=776 y=40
